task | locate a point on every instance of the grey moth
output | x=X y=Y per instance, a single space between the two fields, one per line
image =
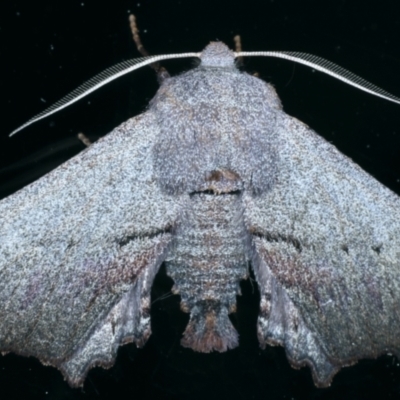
x=213 y=180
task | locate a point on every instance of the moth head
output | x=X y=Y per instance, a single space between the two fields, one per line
x=217 y=54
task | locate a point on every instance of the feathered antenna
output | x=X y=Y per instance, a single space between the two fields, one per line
x=125 y=67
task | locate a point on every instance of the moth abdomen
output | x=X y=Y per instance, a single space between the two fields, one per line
x=208 y=260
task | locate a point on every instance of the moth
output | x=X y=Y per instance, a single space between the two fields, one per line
x=212 y=180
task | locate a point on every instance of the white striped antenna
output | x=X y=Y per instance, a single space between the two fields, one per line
x=327 y=67
x=100 y=80
x=114 y=72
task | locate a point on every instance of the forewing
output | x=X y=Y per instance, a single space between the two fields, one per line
x=326 y=256
x=79 y=249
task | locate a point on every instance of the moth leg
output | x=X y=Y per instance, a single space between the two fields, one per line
x=84 y=139
x=237 y=40
x=161 y=72
x=239 y=61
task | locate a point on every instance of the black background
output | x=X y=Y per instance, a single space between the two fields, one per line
x=49 y=47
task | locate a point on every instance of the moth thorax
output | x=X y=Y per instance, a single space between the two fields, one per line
x=212 y=120
x=186 y=167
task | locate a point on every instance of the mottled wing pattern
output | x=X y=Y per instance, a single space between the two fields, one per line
x=327 y=256
x=79 y=249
